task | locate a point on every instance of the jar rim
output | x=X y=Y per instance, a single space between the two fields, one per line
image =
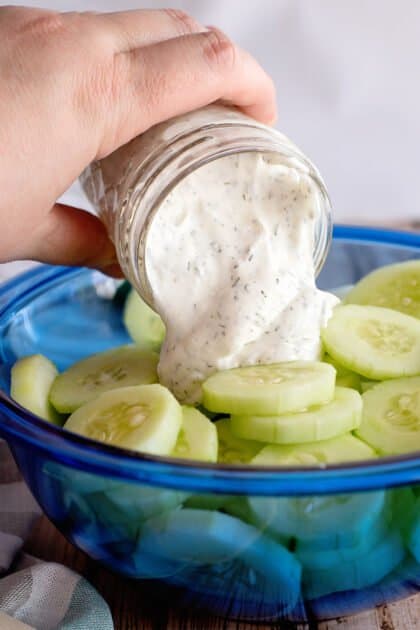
x=188 y=152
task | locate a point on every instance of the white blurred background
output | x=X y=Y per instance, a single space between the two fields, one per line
x=348 y=89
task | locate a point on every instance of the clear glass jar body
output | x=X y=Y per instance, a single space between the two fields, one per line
x=128 y=187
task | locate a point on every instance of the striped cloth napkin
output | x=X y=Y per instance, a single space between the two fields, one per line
x=34 y=594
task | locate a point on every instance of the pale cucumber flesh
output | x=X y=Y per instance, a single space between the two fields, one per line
x=345 y=377
x=313 y=558
x=357 y=573
x=391 y=416
x=197 y=438
x=145 y=418
x=270 y=389
x=144 y=325
x=324 y=522
x=375 y=342
x=323 y=422
x=394 y=286
x=99 y=373
x=31 y=380
x=345 y=448
x=232 y=449
x=204 y=537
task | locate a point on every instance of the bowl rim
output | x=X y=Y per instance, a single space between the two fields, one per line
x=23 y=429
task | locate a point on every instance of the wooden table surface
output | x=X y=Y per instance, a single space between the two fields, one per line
x=150 y=606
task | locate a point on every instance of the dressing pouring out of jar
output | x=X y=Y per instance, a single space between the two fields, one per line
x=221 y=224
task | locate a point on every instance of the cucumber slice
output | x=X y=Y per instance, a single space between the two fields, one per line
x=342 y=291
x=77 y=481
x=345 y=448
x=326 y=522
x=414 y=532
x=351 y=380
x=391 y=416
x=230 y=504
x=207 y=501
x=345 y=377
x=112 y=369
x=342 y=414
x=234 y=450
x=358 y=573
x=197 y=438
x=376 y=342
x=366 y=385
x=150 y=566
x=92 y=541
x=394 y=286
x=403 y=510
x=320 y=559
x=79 y=511
x=238 y=506
x=145 y=418
x=138 y=503
x=92 y=530
x=416 y=490
x=31 y=380
x=115 y=522
x=144 y=326
x=202 y=537
x=270 y=389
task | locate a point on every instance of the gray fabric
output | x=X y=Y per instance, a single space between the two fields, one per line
x=86 y=610
x=43 y=595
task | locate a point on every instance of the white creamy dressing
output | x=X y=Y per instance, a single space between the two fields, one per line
x=229 y=259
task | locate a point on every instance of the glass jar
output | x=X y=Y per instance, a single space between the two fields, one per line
x=128 y=187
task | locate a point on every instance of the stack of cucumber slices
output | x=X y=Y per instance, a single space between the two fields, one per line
x=362 y=400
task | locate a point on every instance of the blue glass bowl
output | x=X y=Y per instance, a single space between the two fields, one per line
x=244 y=542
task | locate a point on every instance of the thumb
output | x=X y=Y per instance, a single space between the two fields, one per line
x=69 y=236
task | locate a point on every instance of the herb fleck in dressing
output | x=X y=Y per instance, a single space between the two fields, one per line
x=229 y=259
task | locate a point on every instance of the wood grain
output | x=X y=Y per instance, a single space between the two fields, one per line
x=151 y=606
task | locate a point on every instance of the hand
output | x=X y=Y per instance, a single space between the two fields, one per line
x=76 y=86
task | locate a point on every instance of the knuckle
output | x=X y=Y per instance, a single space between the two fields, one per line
x=219 y=51
x=96 y=92
x=95 y=63
x=113 y=78
x=42 y=23
x=87 y=33
x=154 y=86
x=107 y=101
x=98 y=88
x=183 y=22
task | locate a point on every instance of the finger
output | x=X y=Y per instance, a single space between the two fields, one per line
x=136 y=28
x=127 y=29
x=69 y=236
x=179 y=75
x=191 y=71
